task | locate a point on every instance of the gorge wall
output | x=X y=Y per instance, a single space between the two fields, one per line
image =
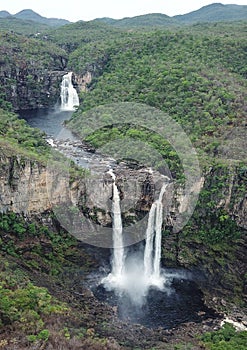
x=31 y=72
x=23 y=189
x=24 y=186
x=27 y=88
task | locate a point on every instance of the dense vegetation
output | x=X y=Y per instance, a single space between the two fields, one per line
x=197 y=75
x=225 y=339
x=18 y=137
x=22 y=27
x=197 y=78
x=32 y=315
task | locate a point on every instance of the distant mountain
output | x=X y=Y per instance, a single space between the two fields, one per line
x=33 y=16
x=106 y=20
x=30 y=15
x=21 y=26
x=149 y=20
x=4 y=14
x=216 y=12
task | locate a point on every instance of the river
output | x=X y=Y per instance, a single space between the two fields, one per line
x=181 y=300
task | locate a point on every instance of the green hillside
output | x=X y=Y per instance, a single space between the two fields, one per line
x=82 y=33
x=216 y=12
x=149 y=20
x=35 y=17
x=211 y=13
x=21 y=26
x=196 y=76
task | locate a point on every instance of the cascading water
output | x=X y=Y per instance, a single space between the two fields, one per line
x=135 y=274
x=118 y=259
x=118 y=248
x=152 y=253
x=68 y=95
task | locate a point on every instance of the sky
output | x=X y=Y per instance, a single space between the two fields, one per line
x=74 y=10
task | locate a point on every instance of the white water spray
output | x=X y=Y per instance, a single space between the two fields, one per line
x=135 y=274
x=68 y=95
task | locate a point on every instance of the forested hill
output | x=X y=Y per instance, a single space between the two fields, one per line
x=211 y=13
x=30 y=15
x=197 y=75
x=217 y=12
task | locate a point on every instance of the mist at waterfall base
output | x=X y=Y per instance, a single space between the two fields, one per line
x=135 y=274
x=143 y=292
x=136 y=301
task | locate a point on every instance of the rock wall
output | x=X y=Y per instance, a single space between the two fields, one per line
x=25 y=188
x=28 y=88
x=30 y=188
x=81 y=82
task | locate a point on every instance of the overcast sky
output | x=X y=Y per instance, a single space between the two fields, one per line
x=75 y=10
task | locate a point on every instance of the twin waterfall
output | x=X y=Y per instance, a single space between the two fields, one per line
x=134 y=275
x=68 y=94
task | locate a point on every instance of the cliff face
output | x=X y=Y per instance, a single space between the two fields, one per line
x=25 y=187
x=31 y=188
x=210 y=243
x=30 y=88
x=31 y=72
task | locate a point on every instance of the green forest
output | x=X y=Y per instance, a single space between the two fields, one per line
x=193 y=71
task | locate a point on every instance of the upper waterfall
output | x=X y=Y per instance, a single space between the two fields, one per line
x=68 y=95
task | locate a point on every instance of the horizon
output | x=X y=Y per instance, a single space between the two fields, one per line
x=148 y=7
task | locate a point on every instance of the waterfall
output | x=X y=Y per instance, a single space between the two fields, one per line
x=148 y=253
x=118 y=260
x=118 y=249
x=68 y=95
x=152 y=253
x=135 y=274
